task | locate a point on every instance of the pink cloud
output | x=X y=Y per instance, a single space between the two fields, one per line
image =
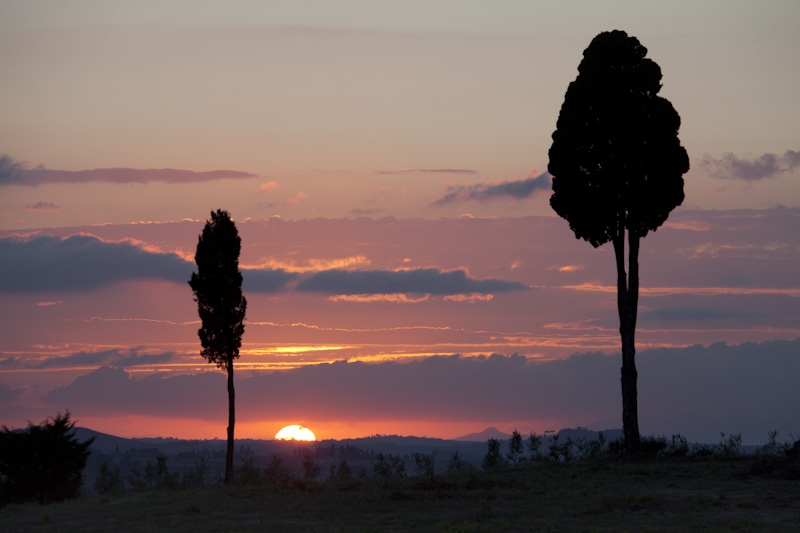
x=369 y=298
x=469 y=298
x=569 y=268
x=299 y=197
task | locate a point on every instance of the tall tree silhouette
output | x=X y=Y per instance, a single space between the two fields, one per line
x=617 y=166
x=217 y=288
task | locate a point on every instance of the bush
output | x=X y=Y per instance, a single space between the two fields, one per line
x=493 y=460
x=730 y=446
x=423 y=463
x=456 y=464
x=108 y=480
x=561 y=452
x=652 y=446
x=340 y=473
x=702 y=450
x=198 y=475
x=515 y=449
x=276 y=473
x=156 y=476
x=310 y=467
x=42 y=463
x=390 y=466
x=616 y=447
x=534 y=443
x=592 y=449
x=772 y=447
x=679 y=447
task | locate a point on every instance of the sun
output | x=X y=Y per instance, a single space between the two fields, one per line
x=295 y=432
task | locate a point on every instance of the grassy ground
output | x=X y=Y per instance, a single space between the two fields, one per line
x=742 y=494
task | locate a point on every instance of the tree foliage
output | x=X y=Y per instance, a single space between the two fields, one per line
x=217 y=288
x=617 y=167
x=42 y=463
x=616 y=159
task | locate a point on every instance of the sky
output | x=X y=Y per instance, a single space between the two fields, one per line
x=386 y=165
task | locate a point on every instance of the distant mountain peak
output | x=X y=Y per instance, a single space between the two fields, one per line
x=486 y=434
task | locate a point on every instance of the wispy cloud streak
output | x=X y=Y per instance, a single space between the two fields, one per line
x=14 y=173
x=422 y=171
x=702 y=291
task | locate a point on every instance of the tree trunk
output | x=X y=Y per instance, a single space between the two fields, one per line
x=231 y=420
x=627 y=304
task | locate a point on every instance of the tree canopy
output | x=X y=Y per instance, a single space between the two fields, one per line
x=43 y=463
x=616 y=159
x=217 y=287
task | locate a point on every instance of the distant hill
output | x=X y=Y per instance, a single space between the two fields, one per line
x=574 y=433
x=104 y=442
x=111 y=444
x=485 y=435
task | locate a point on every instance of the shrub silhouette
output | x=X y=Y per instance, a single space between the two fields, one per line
x=493 y=460
x=42 y=463
x=311 y=468
x=534 y=443
x=108 y=480
x=515 y=449
x=156 y=476
x=340 y=473
x=423 y=463
x=456 y=464
x=389 y=466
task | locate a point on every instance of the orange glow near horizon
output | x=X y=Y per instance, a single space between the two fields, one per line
x=702 y=291
x=138 y=426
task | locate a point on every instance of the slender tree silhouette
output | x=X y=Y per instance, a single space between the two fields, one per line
x=617 y=166
x=217 y=288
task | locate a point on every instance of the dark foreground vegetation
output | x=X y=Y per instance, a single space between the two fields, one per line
x=722 y=490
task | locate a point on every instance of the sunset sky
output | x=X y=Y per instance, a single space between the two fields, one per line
x=361 y=145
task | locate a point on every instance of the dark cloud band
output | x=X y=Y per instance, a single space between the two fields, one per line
x=84 y=262
x=114 y=357
x=80 y=262
x=418 y=281
x=482 y=192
